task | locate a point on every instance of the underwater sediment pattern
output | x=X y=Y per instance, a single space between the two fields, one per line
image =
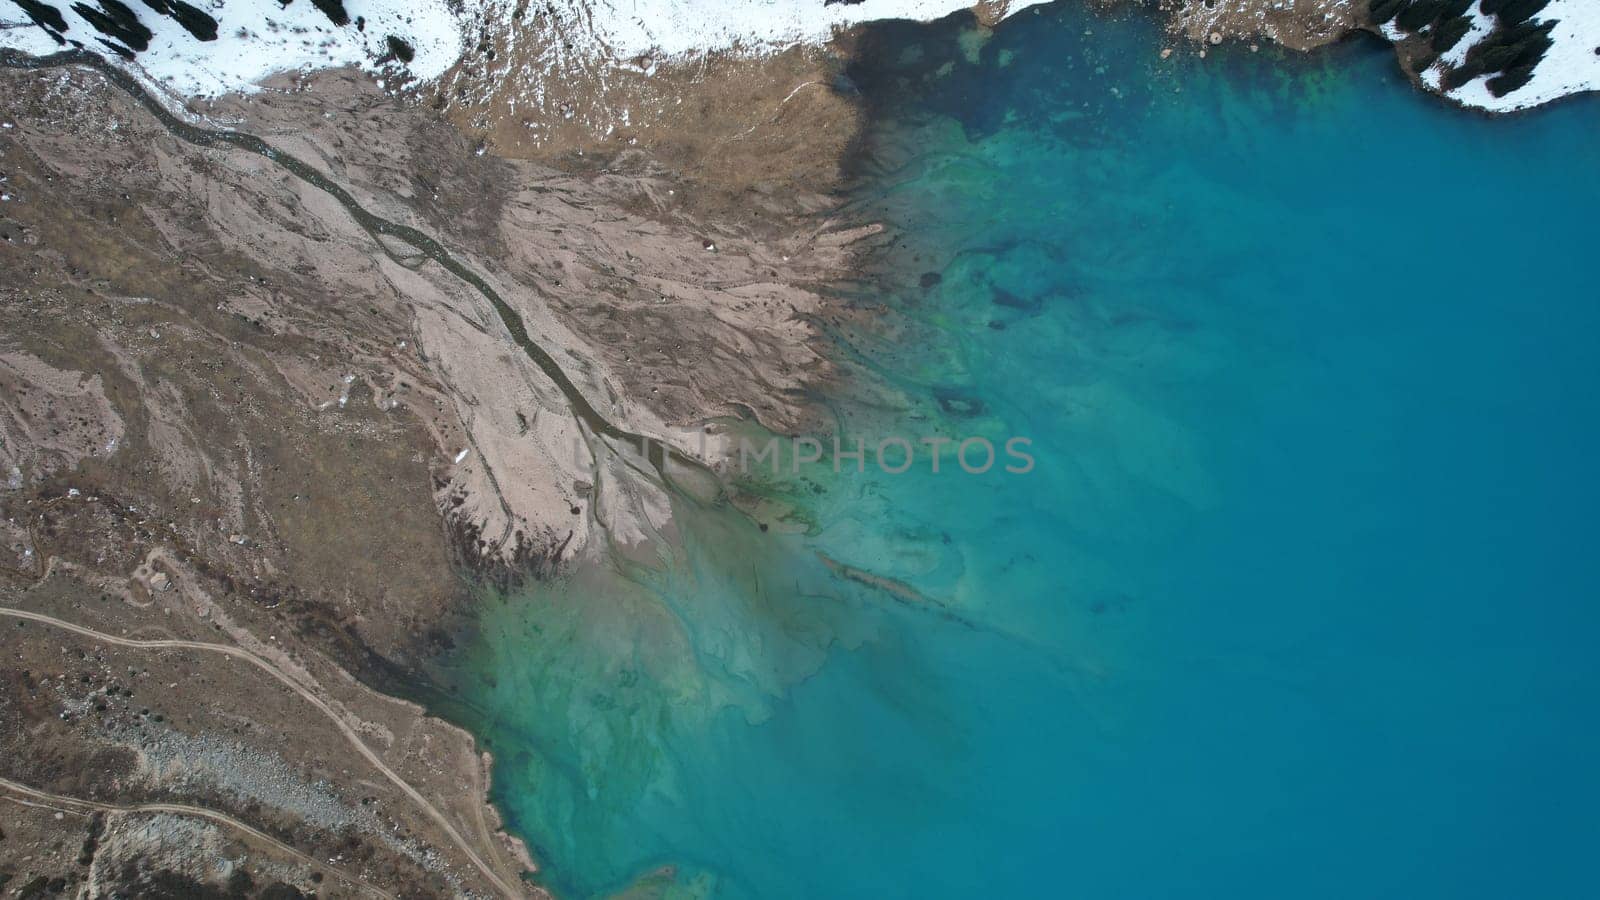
x=1297 y=600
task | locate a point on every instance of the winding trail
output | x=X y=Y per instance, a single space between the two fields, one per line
x=240 y=653
x=75 y=804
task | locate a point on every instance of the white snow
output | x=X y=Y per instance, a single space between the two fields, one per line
x=1570 y=66
x=1481 y=26
x=20 y=33
x=260 y=39
x=255 y=40
x=629 y=28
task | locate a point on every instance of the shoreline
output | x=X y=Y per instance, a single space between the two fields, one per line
x=363 y=392
x=839 y=263
x=492 y=66
x=862 y=271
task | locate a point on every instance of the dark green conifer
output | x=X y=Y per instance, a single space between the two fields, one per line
x=1382 y=11
x=1516 y=11
x=1510 y=80
x=1449 y=33
x=1418 y=14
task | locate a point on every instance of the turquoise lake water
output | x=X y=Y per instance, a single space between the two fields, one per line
x=1299 y=600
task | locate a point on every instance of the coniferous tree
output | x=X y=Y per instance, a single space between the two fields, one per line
x=1418 y=14
x=1449 y=33
x=1516 y=11
x=1382 y=11
x=1510 y=80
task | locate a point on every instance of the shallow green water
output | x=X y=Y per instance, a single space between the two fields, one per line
x=1298 y=600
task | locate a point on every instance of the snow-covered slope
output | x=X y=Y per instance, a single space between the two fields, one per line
x=257 y=38
x=1570 y=66
x=675 y=27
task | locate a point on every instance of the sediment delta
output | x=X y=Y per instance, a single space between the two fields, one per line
x=287 y=373
x=283 y=375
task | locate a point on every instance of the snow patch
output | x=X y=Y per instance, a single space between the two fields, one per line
x=257 y=40
x=1570 y=66
x=631 y=28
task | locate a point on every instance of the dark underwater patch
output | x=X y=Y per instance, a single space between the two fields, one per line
x=956 y=402
x=1009 y=300
x=938 y=69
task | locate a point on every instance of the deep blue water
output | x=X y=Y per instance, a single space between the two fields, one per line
x=1299 y=600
